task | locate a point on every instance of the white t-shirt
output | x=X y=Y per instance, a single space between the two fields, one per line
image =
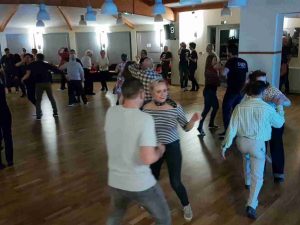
x=126 y=130
x=103 y=63
x=86 y=62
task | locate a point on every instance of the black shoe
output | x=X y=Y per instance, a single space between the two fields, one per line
x=197 y=88
x=201 y=133
x=38 y=117
x=247 y=187
x=9 y=164
x=55 y=115
x=212 y=126
x=251 y=213
x=2 y=166
x=278 y=180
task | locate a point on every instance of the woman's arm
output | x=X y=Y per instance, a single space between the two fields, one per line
x=196 y=116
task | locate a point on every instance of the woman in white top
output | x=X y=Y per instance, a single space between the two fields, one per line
x=103 y=68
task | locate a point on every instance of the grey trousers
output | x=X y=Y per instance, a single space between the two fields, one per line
x=39 y=90
x=153 y=200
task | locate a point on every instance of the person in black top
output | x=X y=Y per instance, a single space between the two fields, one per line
x=165 y=58
x=39 y=70
x=235 y=70
x=5 y=126
x=29 y=83
x=284 y=69
x=142 y=57
x=7 y=62
x=193 y=66
x=184 y=55
x=18 y=76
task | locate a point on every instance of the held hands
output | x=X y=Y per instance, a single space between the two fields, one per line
x=278 y=100
x=196 y=116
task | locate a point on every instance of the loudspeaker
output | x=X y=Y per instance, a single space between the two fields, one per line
x=170 y=31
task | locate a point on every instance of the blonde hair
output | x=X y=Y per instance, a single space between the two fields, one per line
x=156 y=82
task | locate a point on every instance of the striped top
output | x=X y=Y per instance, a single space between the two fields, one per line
x=166 y=122
x=253 y=119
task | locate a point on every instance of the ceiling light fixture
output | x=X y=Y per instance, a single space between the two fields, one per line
x=119 y=19
x=225 y=11
x=82 y=21
x=158 y=18
x=109 y=8
x=237 y=3
x=42 y=14
x=90 y=14
x=40 y=23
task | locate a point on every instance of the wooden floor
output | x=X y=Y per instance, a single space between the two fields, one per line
x=60 y=171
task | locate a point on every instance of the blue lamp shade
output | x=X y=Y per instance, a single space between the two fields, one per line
x=90 y=14
x=190 y=2
x=237 y=3
x=159 y=8
x=40 y=23
x=109 y=8
x=43 y=14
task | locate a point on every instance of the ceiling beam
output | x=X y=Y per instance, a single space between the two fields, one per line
x=205 y=6
x=8 y=17
x=66 y=18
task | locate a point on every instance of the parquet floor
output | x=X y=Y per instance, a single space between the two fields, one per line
x=60 y=171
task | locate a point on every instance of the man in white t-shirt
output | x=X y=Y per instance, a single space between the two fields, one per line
x=129 y=157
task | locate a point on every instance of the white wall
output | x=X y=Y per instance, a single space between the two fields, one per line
x=154 y=27
x=188 y=25
x=261 y=31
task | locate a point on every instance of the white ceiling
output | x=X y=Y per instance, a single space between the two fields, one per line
x=25 y=17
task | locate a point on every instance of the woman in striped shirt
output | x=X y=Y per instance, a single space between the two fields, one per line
x=167 y=114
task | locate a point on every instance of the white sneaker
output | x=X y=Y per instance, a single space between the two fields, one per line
x=187 y=213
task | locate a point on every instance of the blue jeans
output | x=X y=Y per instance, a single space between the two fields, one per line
x=230 y=101
x=277 y=152
x=153 y=200
x=184 y=75
x=210 y=101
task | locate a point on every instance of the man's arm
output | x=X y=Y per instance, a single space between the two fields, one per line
x=81 y=71
x=26 y=76
x=135 y=70
x=231 y=131
x=150 y=155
